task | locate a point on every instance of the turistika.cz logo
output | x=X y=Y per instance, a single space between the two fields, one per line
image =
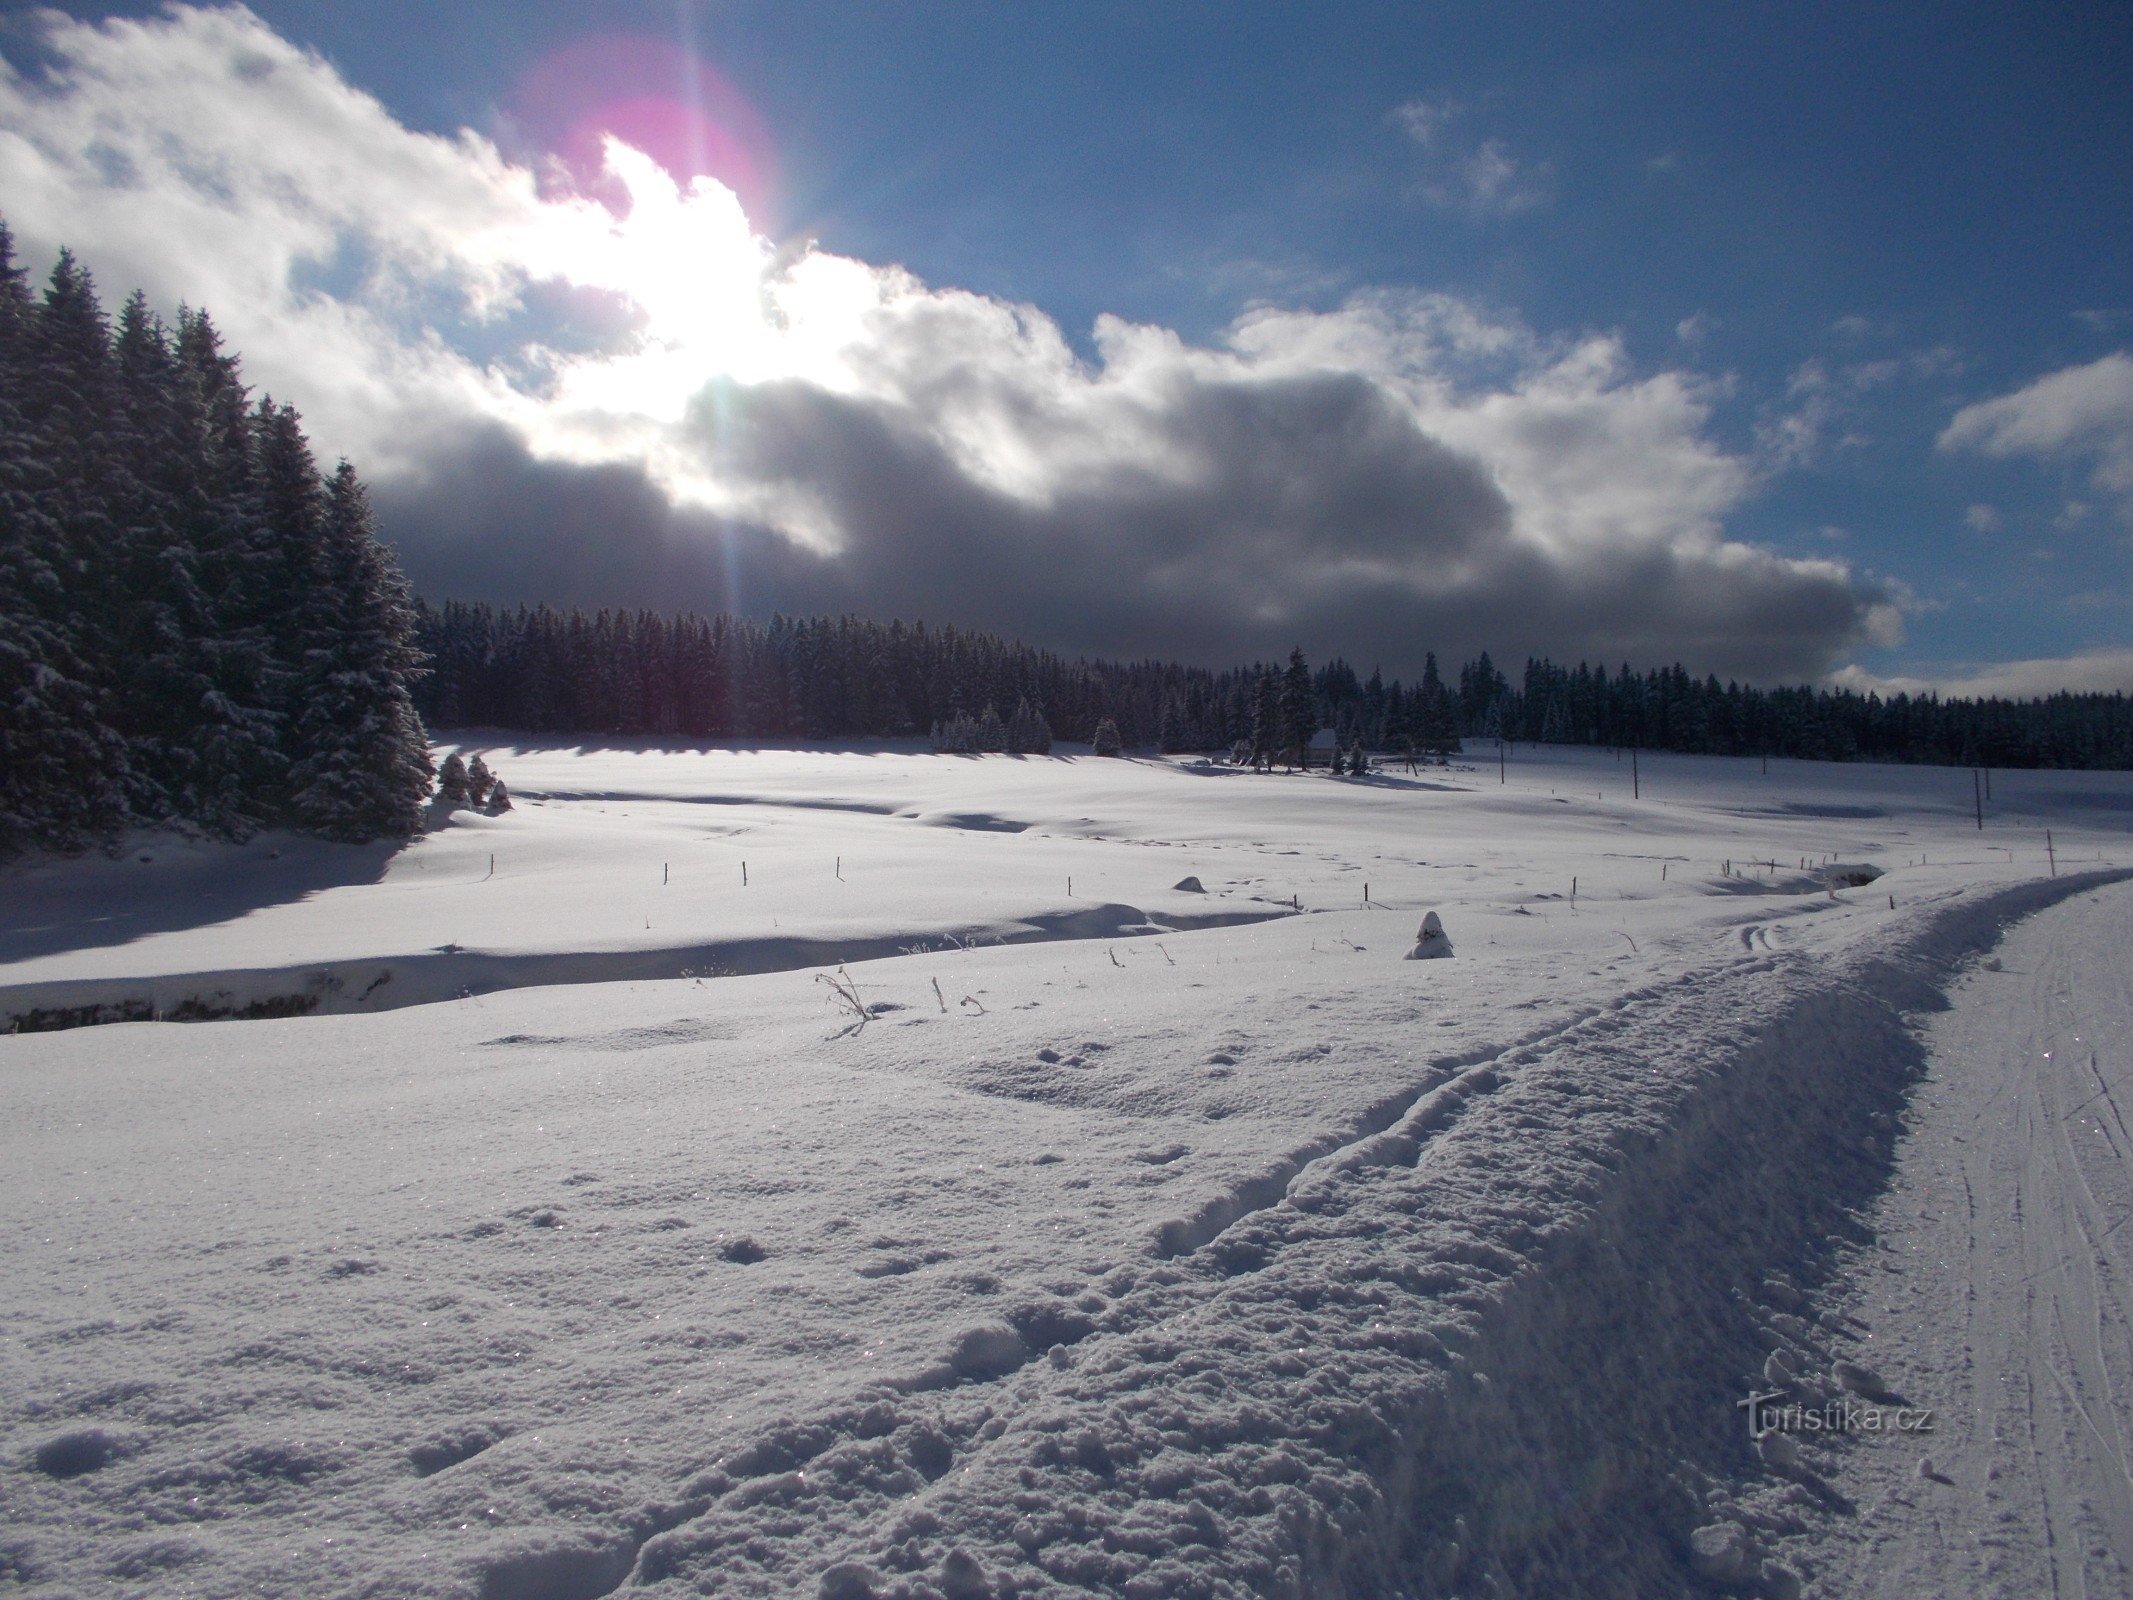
x=1771 y=1412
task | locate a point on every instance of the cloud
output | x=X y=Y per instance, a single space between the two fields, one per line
x=1818 y=400
x=2077 y=413
x=1982 y=518
x=631 y=398
x=1484 y=179
x=2090 y=672
x=1695 y=328
x=1422 y=120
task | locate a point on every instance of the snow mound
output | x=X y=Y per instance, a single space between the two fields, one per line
x=1431 y=941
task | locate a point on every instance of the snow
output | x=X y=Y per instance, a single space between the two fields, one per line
x=1128 y=1238
x=1993 y=1288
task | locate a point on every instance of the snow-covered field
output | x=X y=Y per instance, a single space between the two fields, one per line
x=1145 y=1239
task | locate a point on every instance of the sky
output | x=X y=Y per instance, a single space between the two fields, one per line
x=1789 y=343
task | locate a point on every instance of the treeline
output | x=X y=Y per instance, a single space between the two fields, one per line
x=721 y=677
x=1667 y=709
x=196 y=625
x=694 y=677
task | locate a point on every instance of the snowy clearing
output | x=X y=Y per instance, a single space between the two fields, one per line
x=1141 y=1240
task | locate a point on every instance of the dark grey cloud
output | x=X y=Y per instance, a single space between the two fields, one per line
x=1309 y=509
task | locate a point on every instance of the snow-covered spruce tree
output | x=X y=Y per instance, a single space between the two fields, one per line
x=1358 y=763
x=479 y=781
x=1299 y=710
x=157 y=606
x=1022 y=730
x=1040 y=736
x=362 y=765
x=452 y=781
x=1170 y=729
x=992 y=732
x=1107 y=741
x=63 y=782
x=1266 y=718
x=499 y=799
x=238 y=767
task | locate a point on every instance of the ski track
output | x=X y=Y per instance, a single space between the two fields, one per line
x=1407 y=1364
x=2011 y=1312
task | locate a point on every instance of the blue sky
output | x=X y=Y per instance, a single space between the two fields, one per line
x=1798 y=258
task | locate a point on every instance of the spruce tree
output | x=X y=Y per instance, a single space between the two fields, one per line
x=1107 y=742
x=362 y=767
x=236 y=781
x=452 y=782
x=163 y=619
x=1299 y=710
x=63 y=782
x=479 y=782
x=1267 y=735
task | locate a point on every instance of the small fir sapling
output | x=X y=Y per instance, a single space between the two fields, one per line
x=478 y=780
x=452 y=781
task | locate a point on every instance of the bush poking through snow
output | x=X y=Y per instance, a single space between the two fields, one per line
x=1431 y=942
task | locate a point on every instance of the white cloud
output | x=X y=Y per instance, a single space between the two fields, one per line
x=1484 y=179
x=2090 y=672
x=640 y=405
x=1984 y=519
x=2076 y=413
x=1694 y=329
x=1422 y=120
x=1820 y=400
x=1494 y=181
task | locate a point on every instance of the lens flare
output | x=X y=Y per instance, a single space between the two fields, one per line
x=655 y=95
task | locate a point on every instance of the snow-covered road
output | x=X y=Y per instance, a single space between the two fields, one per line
x=1999 y=1287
